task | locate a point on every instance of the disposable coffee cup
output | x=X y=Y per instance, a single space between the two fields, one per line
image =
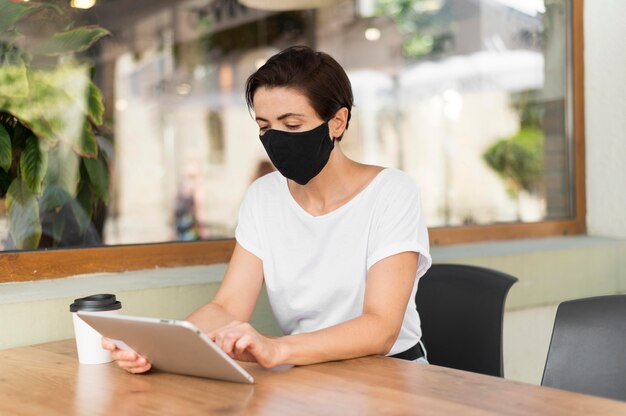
x=88 y=340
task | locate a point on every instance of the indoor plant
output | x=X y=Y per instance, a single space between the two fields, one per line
x=52 y=175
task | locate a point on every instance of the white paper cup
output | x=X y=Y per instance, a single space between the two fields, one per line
x=88 y=340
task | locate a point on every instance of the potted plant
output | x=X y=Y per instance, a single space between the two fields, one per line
x=53 y=175
x=518 y=160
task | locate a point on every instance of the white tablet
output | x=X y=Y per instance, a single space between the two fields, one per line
x=170 y=345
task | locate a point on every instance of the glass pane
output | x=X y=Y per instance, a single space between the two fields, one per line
x=142 y=135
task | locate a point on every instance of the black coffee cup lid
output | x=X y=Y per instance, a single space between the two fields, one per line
x=96 y=303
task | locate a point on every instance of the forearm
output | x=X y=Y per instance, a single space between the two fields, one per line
x=367 y=334
x=210 y=316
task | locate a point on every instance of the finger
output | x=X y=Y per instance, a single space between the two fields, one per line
x=229 y=340
x=263 y=352
x=138 y=370
x=126 y=365
x=232 y=324
x=121 y=355
x=108 y=344
x=138 y=363
x=242 y=344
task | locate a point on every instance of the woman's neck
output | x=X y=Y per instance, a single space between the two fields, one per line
x=339 y=181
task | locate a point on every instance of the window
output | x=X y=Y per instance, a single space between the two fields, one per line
x=145 y=138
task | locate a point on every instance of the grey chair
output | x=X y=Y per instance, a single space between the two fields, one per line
x=461 y=308
x=587 y=352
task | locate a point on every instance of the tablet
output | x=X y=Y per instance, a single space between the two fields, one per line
x=170 y=345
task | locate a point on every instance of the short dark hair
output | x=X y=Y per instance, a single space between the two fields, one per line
x=315 y=74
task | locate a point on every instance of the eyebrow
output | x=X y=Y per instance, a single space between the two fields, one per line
x=281 y=117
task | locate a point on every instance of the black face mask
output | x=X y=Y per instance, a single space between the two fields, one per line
x=299 y=156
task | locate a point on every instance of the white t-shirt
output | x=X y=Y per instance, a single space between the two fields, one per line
x=316 y=267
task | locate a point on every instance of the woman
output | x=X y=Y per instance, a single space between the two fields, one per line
x=340 y=245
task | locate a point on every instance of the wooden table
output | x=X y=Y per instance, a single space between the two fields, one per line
x=47 y=379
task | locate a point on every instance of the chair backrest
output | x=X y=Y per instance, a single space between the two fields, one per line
x=587 y=352
x=461 y=308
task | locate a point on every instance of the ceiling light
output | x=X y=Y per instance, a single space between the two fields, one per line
x=372 y=34
x=281 y=5
x=83 y=4
x=183 y=89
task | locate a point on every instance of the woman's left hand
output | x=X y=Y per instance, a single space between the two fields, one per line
x=242 y=342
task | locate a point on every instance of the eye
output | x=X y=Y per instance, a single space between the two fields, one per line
x=262 y=129
x=293 y=126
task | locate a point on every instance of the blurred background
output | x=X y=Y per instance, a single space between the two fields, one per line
x=472 y=98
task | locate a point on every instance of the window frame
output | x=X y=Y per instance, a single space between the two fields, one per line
x=19 y=266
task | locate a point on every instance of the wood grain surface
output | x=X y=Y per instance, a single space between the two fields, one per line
x=47 y=379
x=38 y=265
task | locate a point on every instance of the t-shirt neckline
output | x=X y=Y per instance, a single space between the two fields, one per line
x=337 y=210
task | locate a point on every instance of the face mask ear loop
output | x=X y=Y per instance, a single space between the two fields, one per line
x=332 y=139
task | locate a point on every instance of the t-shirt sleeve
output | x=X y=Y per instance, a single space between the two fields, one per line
x=399 y=226
x=247 y=232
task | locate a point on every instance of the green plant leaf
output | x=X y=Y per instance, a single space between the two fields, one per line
x=95 y=108
x=23 y=215
x=5 y=182
x=88 y=146
x=53 y=197
x=13 y=80
x=98 y=173
x=6 y=153
x=44 y=129
x=47 y=110
x=63 y=168
x=75 y=40
x=82 y=207
x=58 y=226
x=518 y=159
x=20 y=134
x=33 y=164
x=56 y=104
x=11 y=13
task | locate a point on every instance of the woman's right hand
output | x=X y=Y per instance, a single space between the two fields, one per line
x=128 y=360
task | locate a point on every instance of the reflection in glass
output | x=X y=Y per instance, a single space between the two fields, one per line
x=468 y=97
x=53 y=171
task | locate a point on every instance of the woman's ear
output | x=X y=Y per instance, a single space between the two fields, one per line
x=337 y=124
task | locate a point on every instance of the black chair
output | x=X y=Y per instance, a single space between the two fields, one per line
x=462 y=308
x=587 y=352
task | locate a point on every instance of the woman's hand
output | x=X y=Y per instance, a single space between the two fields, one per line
x=128 y=360
x=242 y=342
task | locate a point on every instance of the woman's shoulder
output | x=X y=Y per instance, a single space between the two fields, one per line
x=394 y=180
x=396 y=195
x=268 y=184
